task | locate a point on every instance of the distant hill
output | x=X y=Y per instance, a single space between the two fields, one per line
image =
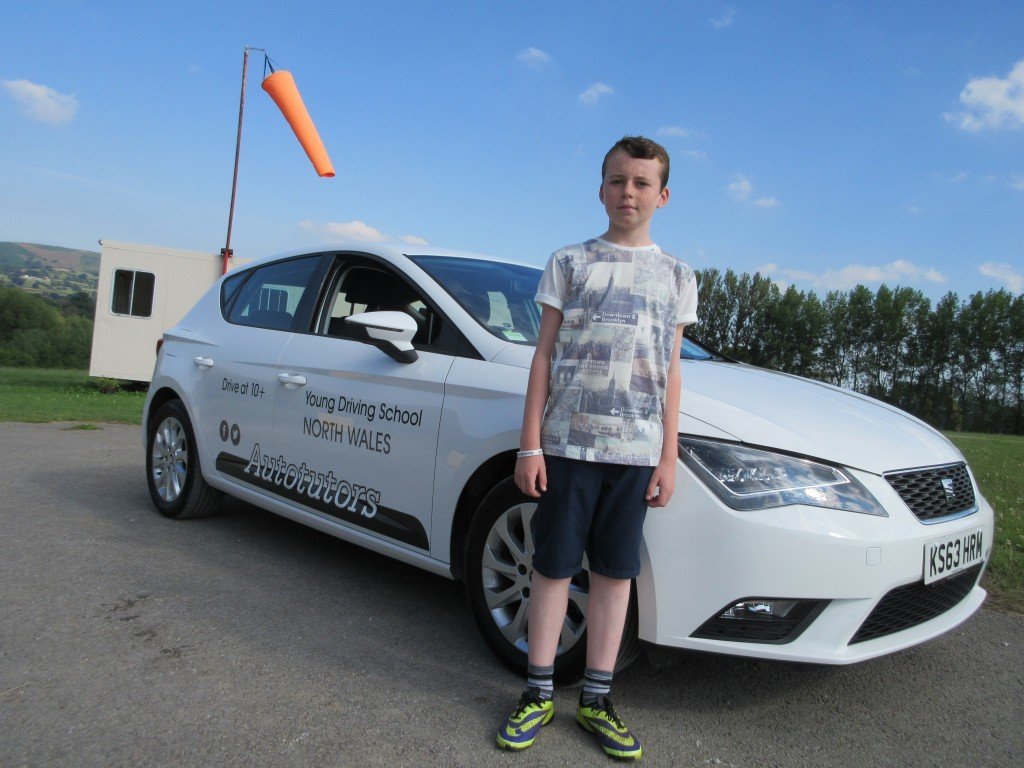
x=49 y=269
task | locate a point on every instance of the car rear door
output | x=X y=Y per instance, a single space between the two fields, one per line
x=235 y=363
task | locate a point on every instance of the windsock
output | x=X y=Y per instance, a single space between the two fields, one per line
x=281 y=87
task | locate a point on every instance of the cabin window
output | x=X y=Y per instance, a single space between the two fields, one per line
x=133 y=293
x=270 y=297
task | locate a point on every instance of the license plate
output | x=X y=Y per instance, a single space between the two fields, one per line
x=952 y=554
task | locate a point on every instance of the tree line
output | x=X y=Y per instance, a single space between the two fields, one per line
x=42 y=332
x=958 y=365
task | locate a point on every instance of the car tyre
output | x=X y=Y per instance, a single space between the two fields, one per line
x=498 y=569
x=173 y=471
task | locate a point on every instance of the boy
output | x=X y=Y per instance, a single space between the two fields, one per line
x=598 y=443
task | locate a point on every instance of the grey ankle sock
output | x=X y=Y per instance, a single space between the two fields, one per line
x=596 y=684
x=541 y=678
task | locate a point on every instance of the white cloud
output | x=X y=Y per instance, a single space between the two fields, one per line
x=41 y=103
x=595 y=92
x=725 y=20
x=992 y=102
x=740 y=189
x=533 y=57
x=695 y=154
x=913 y=210
x=792 y=274
x=1004 y=273
x=357 y=231
x=895 y=272
x=676 y=131
x=1017 y=183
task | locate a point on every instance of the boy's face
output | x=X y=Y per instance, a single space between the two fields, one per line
x=631 y=191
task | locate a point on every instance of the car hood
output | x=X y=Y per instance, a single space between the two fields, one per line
x=766 y=408
x=777 y=410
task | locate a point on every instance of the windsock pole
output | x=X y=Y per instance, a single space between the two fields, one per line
x=225 y=252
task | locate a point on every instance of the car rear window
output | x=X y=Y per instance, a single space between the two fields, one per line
x=271 y=295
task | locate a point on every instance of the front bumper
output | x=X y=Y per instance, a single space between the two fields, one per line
x=700 y=556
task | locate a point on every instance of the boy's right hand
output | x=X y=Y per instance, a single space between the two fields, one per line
x=531 y=476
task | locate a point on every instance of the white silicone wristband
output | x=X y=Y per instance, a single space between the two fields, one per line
x=534 y=452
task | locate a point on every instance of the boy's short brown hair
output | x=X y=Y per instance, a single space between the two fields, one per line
x=641 y=148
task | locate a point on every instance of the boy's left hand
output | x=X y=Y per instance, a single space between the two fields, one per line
x=662 y=485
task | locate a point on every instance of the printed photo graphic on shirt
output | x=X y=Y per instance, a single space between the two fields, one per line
x=595 y=426
x=623 y=344
x=597 y=347
x=572 y=320
x=561 y=405
x=608 y=256
x=616 y=318
x=653 y=277
x=605 y=402
x=564 y=374
x=614 y=287
x=647 y=378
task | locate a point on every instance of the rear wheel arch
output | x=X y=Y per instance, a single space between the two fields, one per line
x=160 y=397
x=173 y=467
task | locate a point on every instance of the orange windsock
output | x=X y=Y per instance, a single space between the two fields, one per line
x=281 y=87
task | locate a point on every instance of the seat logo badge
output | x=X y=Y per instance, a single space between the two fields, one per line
x=947 y=486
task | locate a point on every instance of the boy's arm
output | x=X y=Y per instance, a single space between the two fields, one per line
x=531 y=474
x=663 y=481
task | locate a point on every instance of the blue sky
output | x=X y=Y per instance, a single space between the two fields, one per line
x=823 y=144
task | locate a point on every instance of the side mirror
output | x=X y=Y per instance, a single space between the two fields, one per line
x=389 y=331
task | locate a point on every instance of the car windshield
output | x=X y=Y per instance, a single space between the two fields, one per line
x=498 y=295
x=691 y=350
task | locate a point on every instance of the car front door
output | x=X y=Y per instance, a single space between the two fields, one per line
x=357 y=429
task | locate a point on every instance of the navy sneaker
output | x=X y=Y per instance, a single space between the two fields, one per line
x=612 y=734
x=521 y=728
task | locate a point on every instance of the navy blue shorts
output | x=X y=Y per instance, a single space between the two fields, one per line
x=594 y=508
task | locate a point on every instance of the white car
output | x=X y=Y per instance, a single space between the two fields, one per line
x=376 y=393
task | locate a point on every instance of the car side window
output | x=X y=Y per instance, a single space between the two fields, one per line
x=272 y=294
x=361 y=288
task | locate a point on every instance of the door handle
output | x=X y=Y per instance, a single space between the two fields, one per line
x=292 y=380
x=203 y=362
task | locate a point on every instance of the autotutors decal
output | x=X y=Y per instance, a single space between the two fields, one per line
x=368 y=436
x=327 y=493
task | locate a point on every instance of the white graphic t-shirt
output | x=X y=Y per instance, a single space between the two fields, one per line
x=620 y=308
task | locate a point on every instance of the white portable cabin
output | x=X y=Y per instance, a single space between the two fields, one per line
x=143 y=290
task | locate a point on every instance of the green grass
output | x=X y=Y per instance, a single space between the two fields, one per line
x=998 y=465
x=41 y=395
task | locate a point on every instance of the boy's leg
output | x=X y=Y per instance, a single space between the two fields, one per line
x=548 y=601
x=614 y=548
x=606 y=616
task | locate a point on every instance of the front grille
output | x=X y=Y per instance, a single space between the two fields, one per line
x=913 y=604
x=936 y=492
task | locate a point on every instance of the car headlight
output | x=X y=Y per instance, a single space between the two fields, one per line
x=751 y=479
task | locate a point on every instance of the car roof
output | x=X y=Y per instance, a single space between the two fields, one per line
x=393 y=252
